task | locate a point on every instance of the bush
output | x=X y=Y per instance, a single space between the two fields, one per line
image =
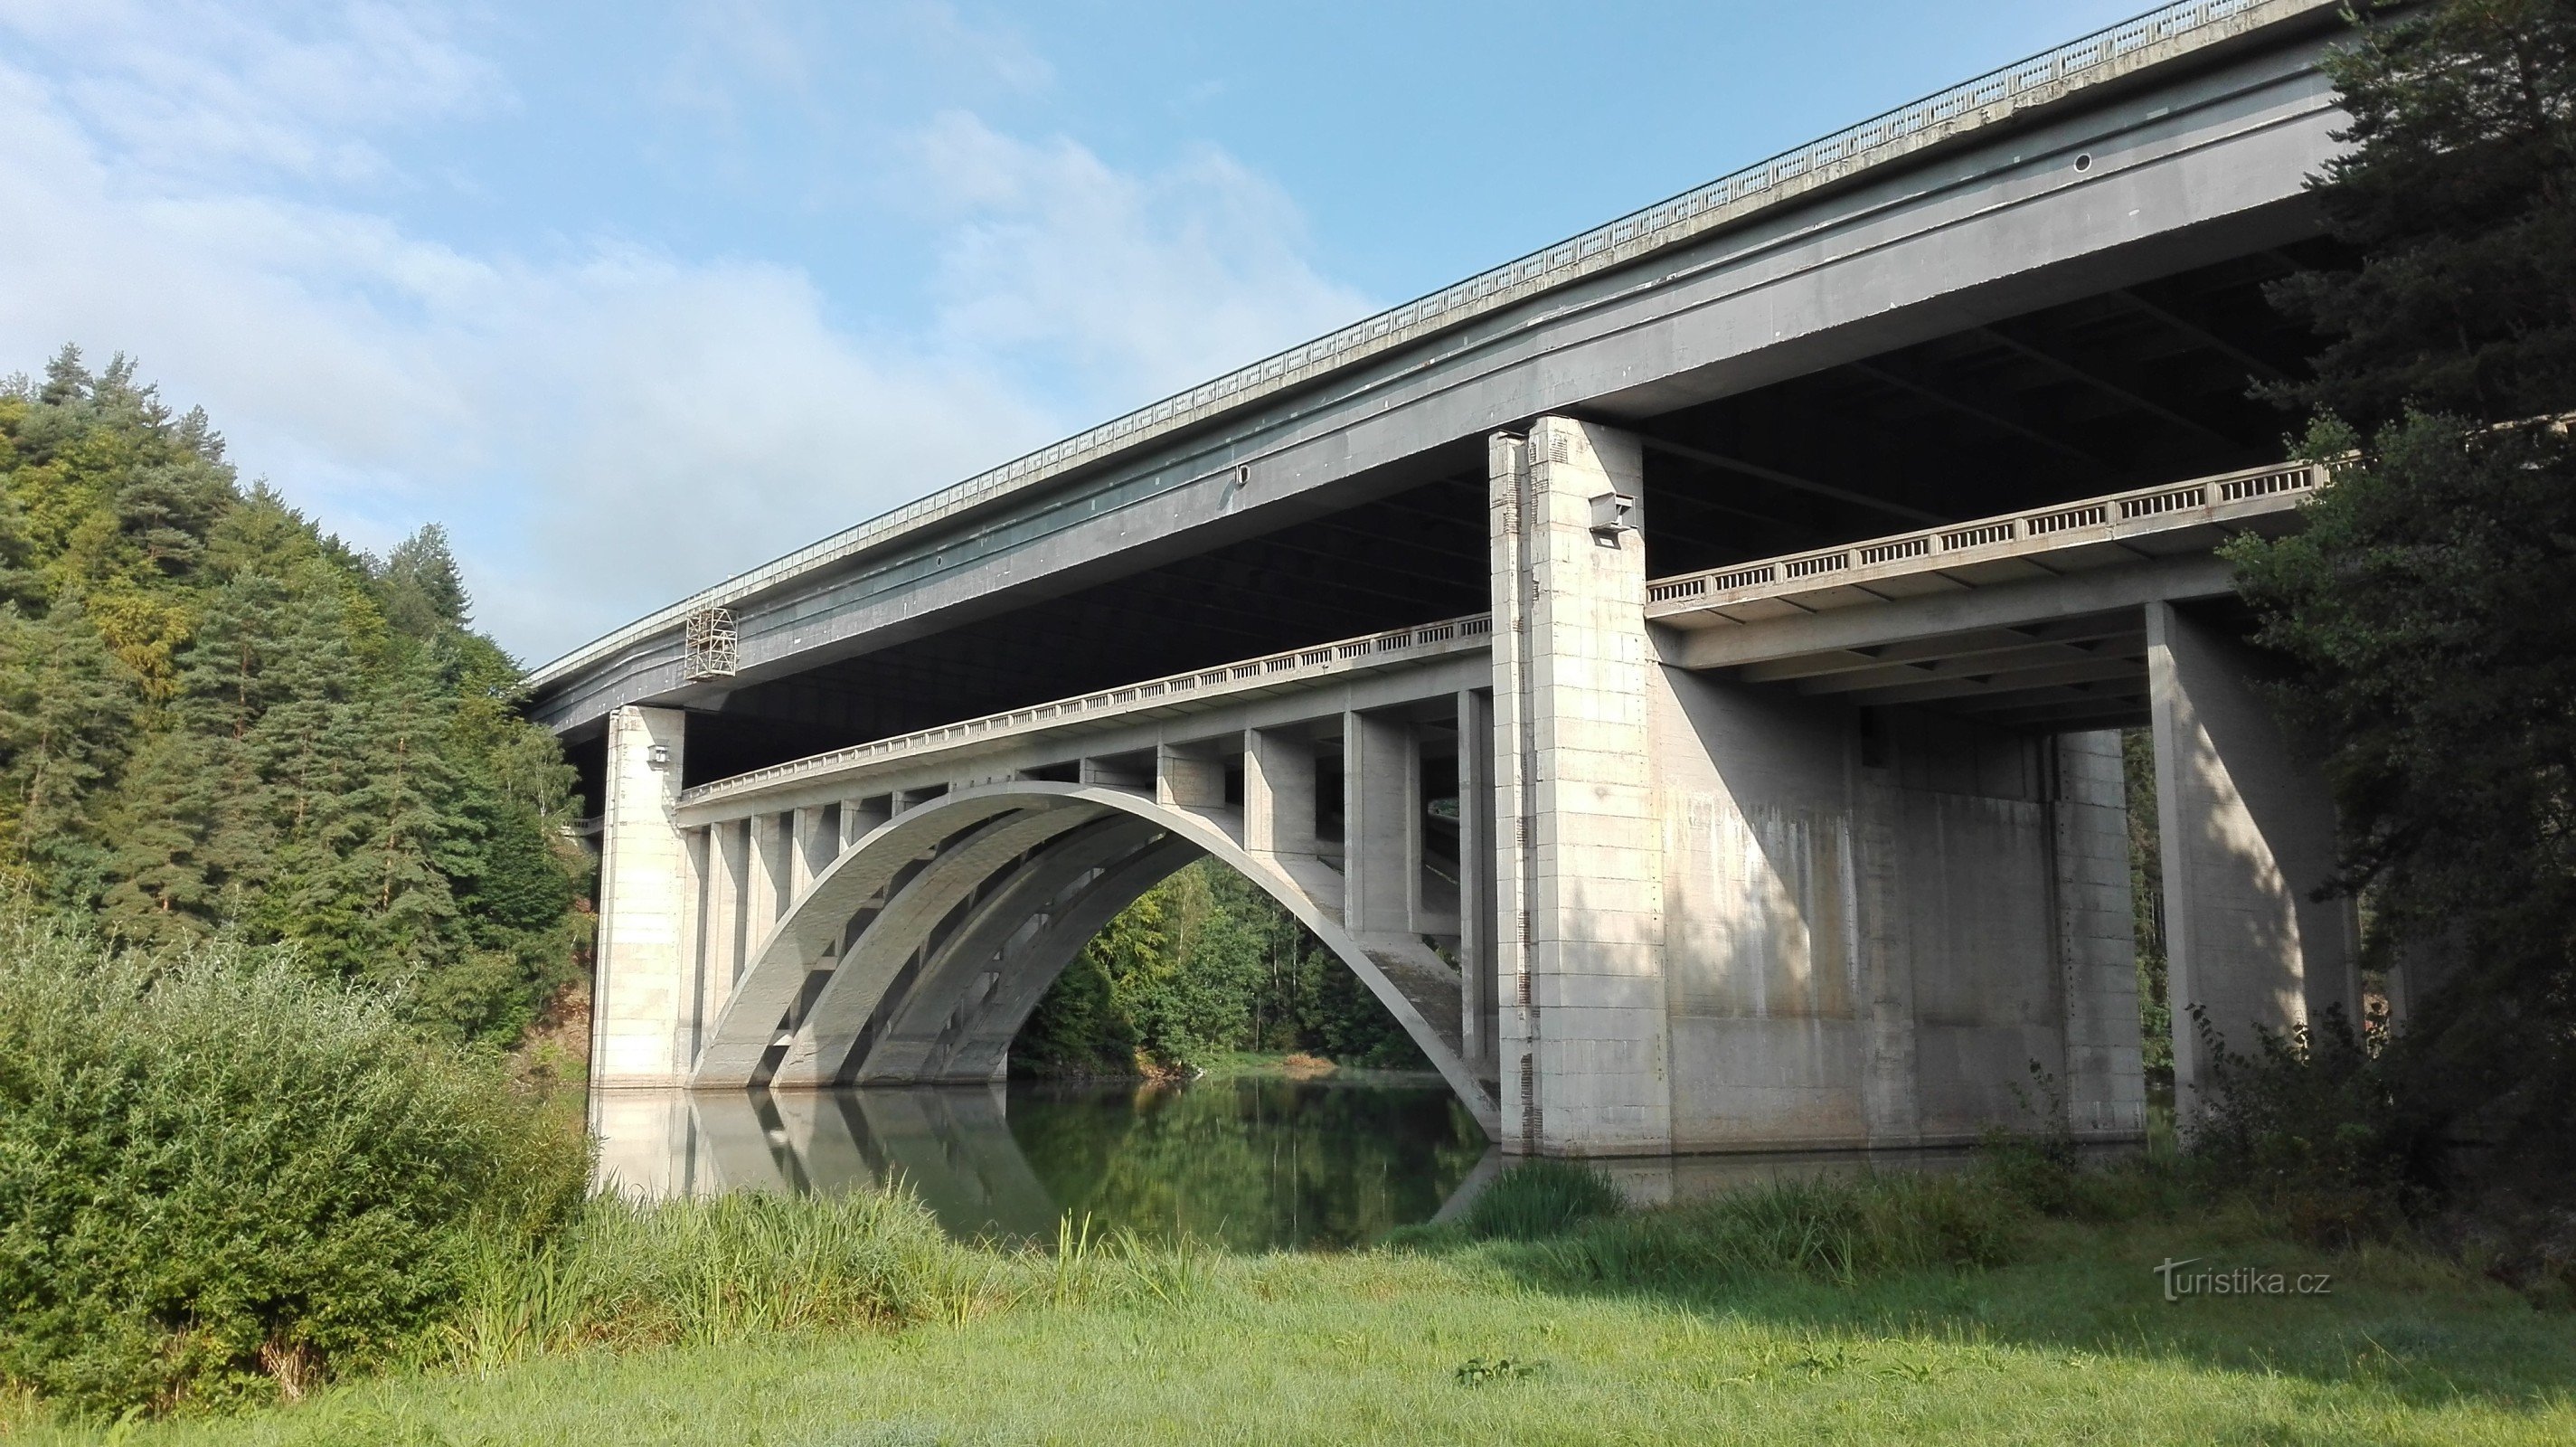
x=1541 y=1197
x=2310 y=1127
x=222 y=1180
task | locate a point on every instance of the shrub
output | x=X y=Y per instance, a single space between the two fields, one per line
x=222 y=1179
x=2308 y=1124
x=627 y=1275
x=1541 y=1197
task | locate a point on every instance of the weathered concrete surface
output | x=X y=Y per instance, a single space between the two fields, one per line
x=643 y=1007
x=2248 y=834
x=1870 y=945
x=1579 y=867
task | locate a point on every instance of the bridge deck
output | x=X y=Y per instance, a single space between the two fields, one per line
x=1818 y=621
x=2173 y=520
x=1172 y=695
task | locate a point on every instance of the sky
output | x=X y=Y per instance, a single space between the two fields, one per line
x=632 y=296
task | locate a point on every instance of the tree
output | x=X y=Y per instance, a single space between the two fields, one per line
x=214 y=716
x=2429 y=606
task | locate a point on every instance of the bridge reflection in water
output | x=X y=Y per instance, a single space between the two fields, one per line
x=1249 y=1164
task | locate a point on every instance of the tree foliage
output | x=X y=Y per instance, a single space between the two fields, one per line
x=2429 y=605
x=1201 y=965
x=214 y=716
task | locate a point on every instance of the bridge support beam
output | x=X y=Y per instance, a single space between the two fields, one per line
x=1579 y=869
x=2248 y=836
x=640 y=1013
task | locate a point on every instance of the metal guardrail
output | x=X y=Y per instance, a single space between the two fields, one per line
x=2101 y=519
x=1962 y=107
x=1250 y=675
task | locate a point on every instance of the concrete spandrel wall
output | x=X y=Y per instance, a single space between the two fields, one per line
x=1855 y=955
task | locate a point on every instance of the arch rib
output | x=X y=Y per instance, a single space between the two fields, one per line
x=982 y=835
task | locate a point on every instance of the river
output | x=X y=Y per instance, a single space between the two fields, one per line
x=1247 y=1162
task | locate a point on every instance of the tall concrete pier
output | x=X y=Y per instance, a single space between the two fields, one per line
x=1679 y=672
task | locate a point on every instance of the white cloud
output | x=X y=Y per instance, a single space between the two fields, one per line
x=607 y=425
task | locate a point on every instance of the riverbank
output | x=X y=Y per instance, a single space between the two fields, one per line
x=1634 y=1329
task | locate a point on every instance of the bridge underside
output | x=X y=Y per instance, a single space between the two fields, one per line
x=2135 y=385
x=1824 y=851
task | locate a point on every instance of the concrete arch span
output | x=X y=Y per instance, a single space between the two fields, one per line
x=919 y=952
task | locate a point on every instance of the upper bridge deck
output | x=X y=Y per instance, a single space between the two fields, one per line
x=2037 y=285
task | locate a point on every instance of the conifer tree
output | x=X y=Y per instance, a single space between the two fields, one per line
x=2429 y=605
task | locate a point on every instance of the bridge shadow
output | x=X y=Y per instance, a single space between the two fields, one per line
x=2424 y=1332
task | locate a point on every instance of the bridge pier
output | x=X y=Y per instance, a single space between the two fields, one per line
x=1579 y=887
x=641 y=1012
x=2248 y=837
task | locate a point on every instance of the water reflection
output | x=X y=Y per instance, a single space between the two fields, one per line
x=1251 y=1163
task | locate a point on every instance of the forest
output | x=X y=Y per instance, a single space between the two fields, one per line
x=217 y=718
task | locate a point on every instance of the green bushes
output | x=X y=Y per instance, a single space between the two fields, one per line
x=221 y=1179
x=2309 y=1125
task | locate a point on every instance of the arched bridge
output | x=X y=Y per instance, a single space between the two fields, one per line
x=1705 y=812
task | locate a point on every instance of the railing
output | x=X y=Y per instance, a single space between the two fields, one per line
x=1245 y=676
x=1960 y=108
x=1990 y=538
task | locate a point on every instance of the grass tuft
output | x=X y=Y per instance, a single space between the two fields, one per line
x=1541 y=1197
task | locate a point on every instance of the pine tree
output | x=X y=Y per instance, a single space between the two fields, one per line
x=66 y=720
x=2429 y=605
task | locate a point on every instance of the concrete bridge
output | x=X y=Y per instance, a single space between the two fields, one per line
x=1707 y=814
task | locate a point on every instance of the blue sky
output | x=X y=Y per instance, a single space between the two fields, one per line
x=634 y=295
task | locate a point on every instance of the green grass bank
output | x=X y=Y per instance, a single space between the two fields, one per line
x=1874 y=1311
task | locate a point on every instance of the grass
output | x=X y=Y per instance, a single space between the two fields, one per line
x=1850 y=1312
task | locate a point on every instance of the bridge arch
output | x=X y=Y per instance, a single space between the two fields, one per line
x=919 y=951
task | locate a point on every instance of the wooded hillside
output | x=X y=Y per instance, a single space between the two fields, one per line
x=215 y=716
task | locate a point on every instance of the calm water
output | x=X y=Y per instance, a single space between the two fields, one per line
x=1250 y=1163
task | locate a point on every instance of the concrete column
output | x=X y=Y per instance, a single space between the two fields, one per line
x=1278 y=793
x=816 y=843
x=1381 y=825
x=771 y=848
x=1583 y=858
x=728 y=886
x=2249 y=834
x=640 y=994
x=860 y=816
x=1476 y=924
x=1188 y=779
x=2105 y=1082
x=694 y=947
